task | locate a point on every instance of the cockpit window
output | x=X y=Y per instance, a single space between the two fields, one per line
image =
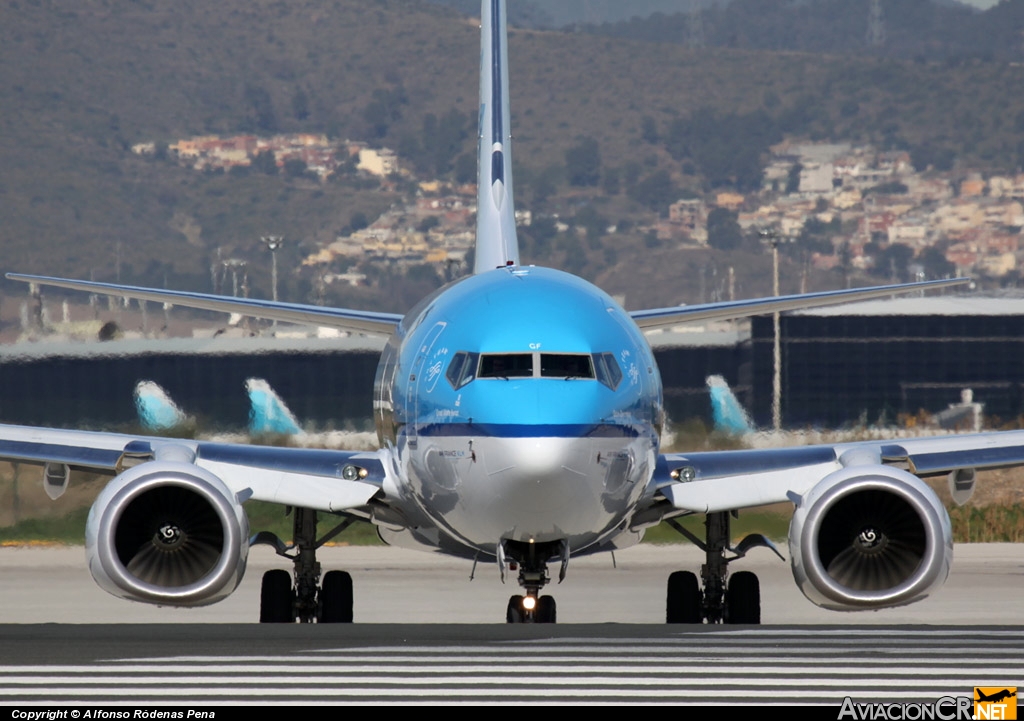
x=563 y=365
x=608 y=371
x=462 y=369
x=466 y=367
x=506 y=365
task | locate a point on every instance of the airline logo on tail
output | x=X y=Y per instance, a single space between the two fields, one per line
x=157 y=412
x=267 y=412
x=726 y=411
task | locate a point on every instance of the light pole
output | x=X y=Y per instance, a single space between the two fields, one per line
x=771 y=237
x=274 y=243
x=234 y=265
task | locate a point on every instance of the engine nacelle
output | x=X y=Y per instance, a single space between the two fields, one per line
x=870 y=537
x=167 y=533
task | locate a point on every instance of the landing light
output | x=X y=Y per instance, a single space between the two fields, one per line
x=529 y=603
x=685 y=474
x=351 y=473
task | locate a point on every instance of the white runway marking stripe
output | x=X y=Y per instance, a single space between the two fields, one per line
x=10 y=674
x=753 y=667
x=239 y=693
x=486 y=678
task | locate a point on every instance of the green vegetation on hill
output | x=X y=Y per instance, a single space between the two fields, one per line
x=910 y=29
x=84 y=83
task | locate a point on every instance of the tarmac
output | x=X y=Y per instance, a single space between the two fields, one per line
x=396 y=586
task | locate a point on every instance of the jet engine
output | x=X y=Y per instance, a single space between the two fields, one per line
x=870 y=537
x=168 y=533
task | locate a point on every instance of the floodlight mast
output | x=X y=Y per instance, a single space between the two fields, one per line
x=273 y=243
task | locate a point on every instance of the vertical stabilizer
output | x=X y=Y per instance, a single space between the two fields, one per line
x=727 y=412
x=156 y=410
x=267 y=412
x=496 y=243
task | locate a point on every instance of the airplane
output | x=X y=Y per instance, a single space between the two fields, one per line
x=518 y=412
x=726 y=412
x=155 y=408
x=996 y=697
x=268 y=413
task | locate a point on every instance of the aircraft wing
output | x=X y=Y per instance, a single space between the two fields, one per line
x=324 y=480
x=708 y=482
x=664 y=317
x=360 y=321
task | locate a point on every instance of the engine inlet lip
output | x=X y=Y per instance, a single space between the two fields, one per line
x=193 y=479
x=918 y=583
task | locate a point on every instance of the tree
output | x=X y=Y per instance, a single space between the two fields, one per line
x=265 y=162
x=793 y=178
x=465 y=168
x=656 y=191
x=260 y=114
x=443 y=140
x=610 y=182
x=543 y=185
x=300 y=105
x=384 y=109
x=294 y=167
x=593 y=223
x=537 y=239
x=723 y=231
x=649 y=130
x=583 y=163
x=893 y=261
x=927 y=155
x=726 y=148
x=935 y=264
x=358 y=221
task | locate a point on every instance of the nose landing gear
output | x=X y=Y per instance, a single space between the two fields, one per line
x=531 y=561
x=531 y=609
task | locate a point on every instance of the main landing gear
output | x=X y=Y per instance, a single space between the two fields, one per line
x=531 y=562
x=738 y=601
x=310 y=599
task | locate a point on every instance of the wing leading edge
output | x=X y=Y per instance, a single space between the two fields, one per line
x=664 y=317
x=309 y=478
x=359 y=321
x=708 y=482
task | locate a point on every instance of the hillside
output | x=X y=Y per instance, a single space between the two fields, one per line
x=81 y=86
x=909 y=29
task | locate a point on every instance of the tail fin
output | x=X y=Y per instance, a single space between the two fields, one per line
x=267 y=412
x=496 y=242
x=157 y=412
x=726 y=411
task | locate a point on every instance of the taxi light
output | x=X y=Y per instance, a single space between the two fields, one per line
x=686 y=474
x=350 y=472
x=529 y=603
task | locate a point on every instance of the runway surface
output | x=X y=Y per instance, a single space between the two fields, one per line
x=425 y=634
x=398 y=586
x=141 y=665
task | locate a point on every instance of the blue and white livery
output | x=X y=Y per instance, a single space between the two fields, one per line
x=519 y=411
x=726 y=412
x=157 y=411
